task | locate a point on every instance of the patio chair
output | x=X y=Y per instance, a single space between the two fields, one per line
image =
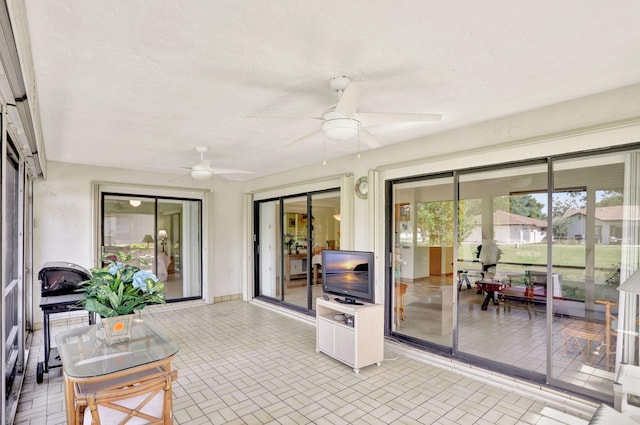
x=611 y=332
x=146 y=402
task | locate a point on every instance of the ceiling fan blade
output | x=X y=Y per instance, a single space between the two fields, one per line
x=283 y=117
x=368 y=139
x=215 y=170
x=305 y=137
x=372 y=118
x=348 y=103
x=180 y=176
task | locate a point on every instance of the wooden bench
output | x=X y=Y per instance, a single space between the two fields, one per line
x=528 y=297
x=536 y=294
x=579 y=335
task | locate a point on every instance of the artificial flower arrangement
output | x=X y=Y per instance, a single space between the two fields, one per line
x=119 y=288
x=289 y=241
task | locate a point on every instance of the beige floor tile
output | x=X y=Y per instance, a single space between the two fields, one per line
x=241 y=363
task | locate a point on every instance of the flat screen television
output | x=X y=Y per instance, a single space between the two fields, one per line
x=349 y=274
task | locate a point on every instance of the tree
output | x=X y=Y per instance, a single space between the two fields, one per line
x=560 y=227
x=564 y=201
x=610 y=198
x=436 y=221
x=525 y=205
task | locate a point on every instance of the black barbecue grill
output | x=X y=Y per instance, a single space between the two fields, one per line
x=58 y=284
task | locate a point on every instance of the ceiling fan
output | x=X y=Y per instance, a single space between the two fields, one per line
x=344 y=122
x=203 y=170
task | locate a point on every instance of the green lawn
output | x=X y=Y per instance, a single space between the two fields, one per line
x=607 y=257
x=568 y=260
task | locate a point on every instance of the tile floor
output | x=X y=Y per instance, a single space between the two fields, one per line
x=504 y=335
x=244 y=363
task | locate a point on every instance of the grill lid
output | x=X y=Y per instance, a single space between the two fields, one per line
x=60 y=278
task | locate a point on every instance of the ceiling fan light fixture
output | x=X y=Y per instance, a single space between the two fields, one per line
x=200 y=174
x=340 y=128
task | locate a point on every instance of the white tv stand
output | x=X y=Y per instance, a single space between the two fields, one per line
x=359 y=345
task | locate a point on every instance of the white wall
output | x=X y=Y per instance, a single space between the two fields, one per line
x=63 y=217
x=64 y=221
x=63 y=203
x=226 y=250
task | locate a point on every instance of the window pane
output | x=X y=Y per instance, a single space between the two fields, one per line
x=296 y=263
x=164 y=234
x=588 y=243
x=502 y=262
x=423 y=287
x=183 y=254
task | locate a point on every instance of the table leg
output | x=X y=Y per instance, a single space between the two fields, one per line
x=488 y=298
x=68 y=400
x=47 y=341
x=463 y=278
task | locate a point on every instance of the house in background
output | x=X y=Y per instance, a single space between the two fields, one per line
x=511 y=229
x=608 y=224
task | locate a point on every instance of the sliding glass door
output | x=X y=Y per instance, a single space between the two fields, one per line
x=163 y=234
x=295 y=221
x=324 y=233
x=595 y=234
x=423 y=286
x=541 y=250
x=290 y=236
x=502 y=267
x=179 y=247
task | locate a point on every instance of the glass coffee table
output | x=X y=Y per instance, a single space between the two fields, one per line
x=90 y=364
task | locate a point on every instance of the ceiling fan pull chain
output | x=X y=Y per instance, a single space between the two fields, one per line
x=358 y=141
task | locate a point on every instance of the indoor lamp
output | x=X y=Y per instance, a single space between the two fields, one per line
x=147 y=239
x=163 y=236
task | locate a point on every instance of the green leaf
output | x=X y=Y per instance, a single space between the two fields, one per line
x=113 y=294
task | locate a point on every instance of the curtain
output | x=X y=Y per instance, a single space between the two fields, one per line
x=627 y=343
x=191 y=249
x=268 y=249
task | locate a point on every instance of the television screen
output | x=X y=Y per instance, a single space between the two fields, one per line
x=348 y=273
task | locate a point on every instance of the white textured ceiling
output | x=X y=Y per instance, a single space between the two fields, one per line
x=139 y=84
